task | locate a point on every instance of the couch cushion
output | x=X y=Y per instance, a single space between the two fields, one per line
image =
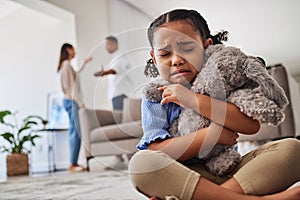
x=131 y=109
x=117 y=132
x=266 y=132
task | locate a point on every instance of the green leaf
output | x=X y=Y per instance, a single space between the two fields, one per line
x=24 y=139
x=26 y=126
x=22 y=129
x=4 y=149
x=29 y=123
x=8 y=136
x=34 y=117
x=3 y=114
x=32 y=139
x=17 y=136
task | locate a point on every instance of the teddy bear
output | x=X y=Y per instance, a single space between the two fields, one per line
x=227 y=74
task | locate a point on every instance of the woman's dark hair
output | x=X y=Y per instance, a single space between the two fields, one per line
x=192 y=16
x=64 y=55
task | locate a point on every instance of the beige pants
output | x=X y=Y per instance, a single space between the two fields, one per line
x=272 y=167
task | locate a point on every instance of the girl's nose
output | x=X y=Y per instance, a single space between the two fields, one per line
x=177 y=60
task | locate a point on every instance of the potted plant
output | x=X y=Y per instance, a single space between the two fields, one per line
x=17 y=134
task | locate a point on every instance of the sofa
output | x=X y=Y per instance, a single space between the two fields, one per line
x=289 y=127
x=106 y=132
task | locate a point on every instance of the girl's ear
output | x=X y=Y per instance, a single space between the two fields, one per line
x=153 y=57
x=207 y=42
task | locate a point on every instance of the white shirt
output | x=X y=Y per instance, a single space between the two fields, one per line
x=120 y=82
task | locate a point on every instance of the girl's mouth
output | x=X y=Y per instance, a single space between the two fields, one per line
x=180 y=72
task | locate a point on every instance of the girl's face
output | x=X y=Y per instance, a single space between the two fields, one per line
x=177 y=52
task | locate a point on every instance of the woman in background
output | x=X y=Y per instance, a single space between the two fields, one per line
x=72 y=100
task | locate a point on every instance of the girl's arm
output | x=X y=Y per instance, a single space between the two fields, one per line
x=223 y=113
x=188 y=146
x=226 y=114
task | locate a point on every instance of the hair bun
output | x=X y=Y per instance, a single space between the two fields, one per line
x=222 y=35
x=219 y=37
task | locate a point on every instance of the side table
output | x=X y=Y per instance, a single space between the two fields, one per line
x=51 y=145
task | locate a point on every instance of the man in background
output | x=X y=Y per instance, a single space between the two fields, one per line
x=119 y=85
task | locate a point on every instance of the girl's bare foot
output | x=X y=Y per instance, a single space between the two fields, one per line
x=291 y=194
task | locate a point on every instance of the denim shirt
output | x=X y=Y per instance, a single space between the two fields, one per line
x=156 y=119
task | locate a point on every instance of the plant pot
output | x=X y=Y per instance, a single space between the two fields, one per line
x=17 y=164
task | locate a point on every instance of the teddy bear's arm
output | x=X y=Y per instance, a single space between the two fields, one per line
x=151 y=91
x=254 y=104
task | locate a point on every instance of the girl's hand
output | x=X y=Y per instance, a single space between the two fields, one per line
x=178 y=94
x=225 y=136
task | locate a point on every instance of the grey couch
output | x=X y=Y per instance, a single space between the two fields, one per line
x=290 y=126
x=107 y=132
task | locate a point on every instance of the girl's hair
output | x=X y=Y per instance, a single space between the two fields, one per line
x=190 y=16
x=64 y=55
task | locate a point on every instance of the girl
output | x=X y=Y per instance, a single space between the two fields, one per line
x=72 y=101
x=168 y=168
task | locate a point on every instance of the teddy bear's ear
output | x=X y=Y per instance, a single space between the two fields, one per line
x=256 y=71
x=210 y=50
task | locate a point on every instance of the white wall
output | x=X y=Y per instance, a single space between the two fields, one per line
x=129 y=25
x=32 y=33
x=107 y=17
x=30 y=43
x=91 y=30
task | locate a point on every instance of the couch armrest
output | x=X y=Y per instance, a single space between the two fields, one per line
x=91 y=119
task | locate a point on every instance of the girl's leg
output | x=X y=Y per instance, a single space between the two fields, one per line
x=208 y=190
x=271 y=168
x=157 y=175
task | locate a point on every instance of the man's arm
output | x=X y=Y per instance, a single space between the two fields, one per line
x=105 y=72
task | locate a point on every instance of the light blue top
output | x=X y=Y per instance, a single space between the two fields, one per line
x=156 y=119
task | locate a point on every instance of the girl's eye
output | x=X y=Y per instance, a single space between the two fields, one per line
x=188 y=49
x=164 y=53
